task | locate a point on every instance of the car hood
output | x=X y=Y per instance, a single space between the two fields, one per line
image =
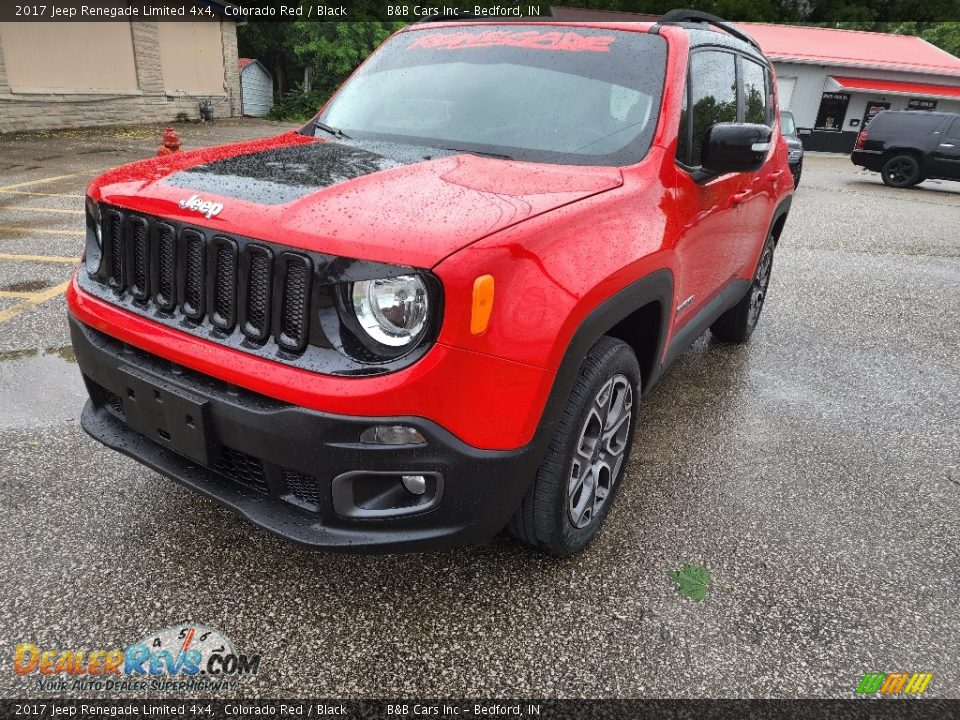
x=370 y=201
x=793 y=142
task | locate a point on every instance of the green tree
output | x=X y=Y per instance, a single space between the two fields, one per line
x=332 y=50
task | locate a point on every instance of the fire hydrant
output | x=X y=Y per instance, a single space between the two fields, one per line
x=171 y=142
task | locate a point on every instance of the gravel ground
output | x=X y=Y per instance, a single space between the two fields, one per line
x=814 y=471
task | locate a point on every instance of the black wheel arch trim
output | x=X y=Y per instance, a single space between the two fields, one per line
x=654 y=288
x=657 y=287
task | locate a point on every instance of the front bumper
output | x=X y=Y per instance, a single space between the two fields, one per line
x=293 y=471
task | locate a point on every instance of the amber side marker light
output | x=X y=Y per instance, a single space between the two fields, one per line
x=482 y=304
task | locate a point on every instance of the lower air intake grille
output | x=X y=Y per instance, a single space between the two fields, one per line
x=242 y=468
x=114 y=401
x=303 y=487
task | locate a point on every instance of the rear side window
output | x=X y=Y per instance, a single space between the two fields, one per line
x=757 y=98
x=954 y=131
x=713 y=95
x=911 y=123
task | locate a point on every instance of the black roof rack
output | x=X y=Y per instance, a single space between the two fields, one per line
x=679 y=17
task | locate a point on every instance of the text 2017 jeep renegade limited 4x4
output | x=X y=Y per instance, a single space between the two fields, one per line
x=432 y=312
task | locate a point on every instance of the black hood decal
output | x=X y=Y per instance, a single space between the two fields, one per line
x=284 y=174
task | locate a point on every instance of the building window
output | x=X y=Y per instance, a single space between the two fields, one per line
x=921 y=104
x=873 y=109
x=833 y=109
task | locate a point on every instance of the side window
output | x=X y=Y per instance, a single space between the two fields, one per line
x=713 y=91
x=683 y=132
x=757 y=99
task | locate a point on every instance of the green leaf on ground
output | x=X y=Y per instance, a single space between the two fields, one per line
x=692 y=581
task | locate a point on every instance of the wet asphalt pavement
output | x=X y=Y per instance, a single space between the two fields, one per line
x=814 y=471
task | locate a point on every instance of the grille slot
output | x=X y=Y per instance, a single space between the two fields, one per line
x=138 y=258
x=165 y=267
x=194 y=271
x=256 y=292
x=113 y=239
x=293 y=309
x=303 y=487
x=223 y=289
x=240 y=467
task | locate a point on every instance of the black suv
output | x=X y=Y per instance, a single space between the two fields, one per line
x=909 y=146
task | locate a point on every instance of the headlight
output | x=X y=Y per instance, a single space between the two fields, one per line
x=392 y=311
x=94 y=246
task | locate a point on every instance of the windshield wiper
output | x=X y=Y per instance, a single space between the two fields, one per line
x=478 y=152
x=331 y=130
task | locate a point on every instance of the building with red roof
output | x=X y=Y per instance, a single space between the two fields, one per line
x=835 y=80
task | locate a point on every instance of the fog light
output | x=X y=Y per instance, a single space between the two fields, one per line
x=416 y=484
x=392 y=435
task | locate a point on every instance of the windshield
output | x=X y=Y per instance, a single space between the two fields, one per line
x=582 y=96
x=786 y=122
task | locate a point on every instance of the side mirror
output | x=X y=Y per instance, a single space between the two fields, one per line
x=735 y=147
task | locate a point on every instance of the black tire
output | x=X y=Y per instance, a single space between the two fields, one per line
x=796 y=171
x=901 y=171
x=552 y=517
x=737 y=323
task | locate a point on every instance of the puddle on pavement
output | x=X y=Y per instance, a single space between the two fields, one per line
x=64 y=352
x=27 y=286
x=56 y=391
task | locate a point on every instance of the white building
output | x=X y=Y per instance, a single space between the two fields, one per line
x=834 y=81
x=256 y=88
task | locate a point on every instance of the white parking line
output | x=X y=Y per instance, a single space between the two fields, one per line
x=41 y=258
x=42 y=231
x=27 y=208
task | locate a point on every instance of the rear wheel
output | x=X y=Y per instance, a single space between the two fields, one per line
x=737 y=323
x=901 y=171
x=580 y=472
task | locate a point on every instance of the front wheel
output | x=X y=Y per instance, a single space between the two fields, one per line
x=587 y=457
x=737 y=323
x=901 y=171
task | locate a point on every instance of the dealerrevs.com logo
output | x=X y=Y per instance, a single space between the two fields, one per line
x=181 y=657
x=895 y=683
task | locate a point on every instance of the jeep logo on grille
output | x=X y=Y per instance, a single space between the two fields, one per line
x=198 y=204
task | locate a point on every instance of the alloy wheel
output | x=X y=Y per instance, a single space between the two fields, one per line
x=600 y=450
x=758 y=290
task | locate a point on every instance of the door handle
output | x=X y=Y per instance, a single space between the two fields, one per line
x=739 y=197
x=946 y=144
x=774 y=176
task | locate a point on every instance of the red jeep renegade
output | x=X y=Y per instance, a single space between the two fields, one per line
x=431 y=313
